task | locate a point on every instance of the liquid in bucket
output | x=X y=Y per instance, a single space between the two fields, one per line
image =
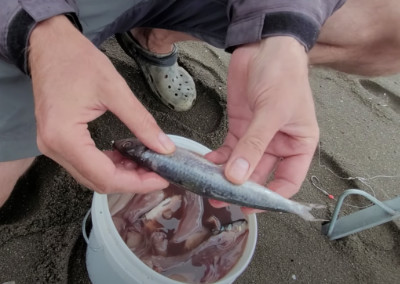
x=180 y=235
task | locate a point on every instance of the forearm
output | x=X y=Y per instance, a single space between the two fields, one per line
x=19 y=18
x=253 y=20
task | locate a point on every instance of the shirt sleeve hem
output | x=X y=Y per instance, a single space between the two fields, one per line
x=254 y=29
x=18 y=40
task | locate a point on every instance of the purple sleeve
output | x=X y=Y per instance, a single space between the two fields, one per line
x=252 y=20
x=19 y=17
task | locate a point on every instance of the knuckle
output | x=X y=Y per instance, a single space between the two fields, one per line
x=102 y=186
x=256 y=144
x=314 y=137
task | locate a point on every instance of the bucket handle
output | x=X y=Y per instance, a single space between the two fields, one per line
x=85 y=236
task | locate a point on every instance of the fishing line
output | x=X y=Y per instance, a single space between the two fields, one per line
x=318 y=185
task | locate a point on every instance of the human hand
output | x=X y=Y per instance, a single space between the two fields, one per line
x=272 y=122
x=73 y=84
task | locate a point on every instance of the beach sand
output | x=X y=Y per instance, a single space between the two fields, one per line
x=359 y=118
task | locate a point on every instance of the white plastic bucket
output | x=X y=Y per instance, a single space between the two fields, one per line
x=109 y=260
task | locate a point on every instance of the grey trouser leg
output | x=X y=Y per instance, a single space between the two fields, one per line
x=101 y=19
x=17 y=121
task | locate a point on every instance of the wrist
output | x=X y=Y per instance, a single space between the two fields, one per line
x=283 y=55
x=284 y=44
x=285 y=49
x=47 y=38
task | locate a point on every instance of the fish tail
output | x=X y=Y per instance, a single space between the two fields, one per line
x=303 y=211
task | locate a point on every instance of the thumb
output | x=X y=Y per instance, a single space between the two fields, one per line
x=252 y=145
x=135 y=116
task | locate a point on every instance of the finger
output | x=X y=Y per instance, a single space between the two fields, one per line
x=251 y=147
x=97 y=171
x=135 y=116
x=76 y=175
x=121 y=161
x=264 y=169
x=217 y=203
x=261 y=172
x=248 y=211
x=290 y=174
x=260 y=176
x=219 y=156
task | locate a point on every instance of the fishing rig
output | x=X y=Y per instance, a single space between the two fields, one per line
x=377 y=214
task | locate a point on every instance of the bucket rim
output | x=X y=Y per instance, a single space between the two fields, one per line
x=132 y=264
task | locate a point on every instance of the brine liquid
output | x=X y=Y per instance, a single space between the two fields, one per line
x=183 y=237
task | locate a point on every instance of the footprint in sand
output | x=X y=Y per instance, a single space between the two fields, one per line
x=386 y=97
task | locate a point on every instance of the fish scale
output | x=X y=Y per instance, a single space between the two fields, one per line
x=198 y=175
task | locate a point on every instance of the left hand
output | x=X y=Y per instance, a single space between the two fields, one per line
x=73 y=84
x=272 y=122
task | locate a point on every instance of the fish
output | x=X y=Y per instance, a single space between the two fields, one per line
x=149 y=231
x=139 y=205
x=116 y=202
x=193 y=172
x=159 y=243
x=153 y=219
x=236 y=226
x=207 y=262
x=190 y=223
x=170 y=204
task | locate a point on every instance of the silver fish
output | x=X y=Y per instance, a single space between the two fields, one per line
x=193 y=172
x=190 y=223
x=139 y=205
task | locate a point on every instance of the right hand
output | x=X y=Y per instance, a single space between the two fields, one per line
x=73 y=84
x=272 y=123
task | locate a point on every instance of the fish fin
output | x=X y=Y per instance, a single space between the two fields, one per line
x=304 y=212
x=316 y=206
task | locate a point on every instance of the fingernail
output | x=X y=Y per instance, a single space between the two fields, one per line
x=167 y=143
x=239 y=169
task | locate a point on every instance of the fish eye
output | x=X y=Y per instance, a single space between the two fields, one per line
x=127 y=144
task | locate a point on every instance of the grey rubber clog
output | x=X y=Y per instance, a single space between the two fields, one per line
x=170 y=82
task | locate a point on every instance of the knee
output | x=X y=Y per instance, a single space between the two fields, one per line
x=10 y=172
x=378 y=44
x=362 y=38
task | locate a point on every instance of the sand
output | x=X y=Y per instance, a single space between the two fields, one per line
x=359 y=118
